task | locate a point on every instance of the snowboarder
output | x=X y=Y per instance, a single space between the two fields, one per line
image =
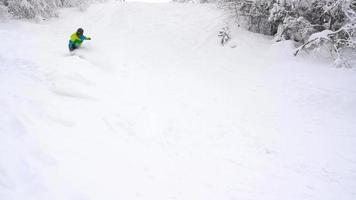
x=76 y=39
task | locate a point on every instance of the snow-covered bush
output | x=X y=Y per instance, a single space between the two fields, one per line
x=4 y=12
x=277 y=13
x=224 y=33
x=81 y=4
x=258 y=18
x=297 y=29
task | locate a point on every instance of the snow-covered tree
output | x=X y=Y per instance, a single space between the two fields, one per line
x=41 y=8
x=314 y=24
x=338 y=41
x=31 y=8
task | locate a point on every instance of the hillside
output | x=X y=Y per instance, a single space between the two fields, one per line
x=153 y=107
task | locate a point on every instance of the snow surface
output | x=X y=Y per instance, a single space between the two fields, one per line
x=153 y=107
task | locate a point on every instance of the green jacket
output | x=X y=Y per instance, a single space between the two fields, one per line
x=75 y=41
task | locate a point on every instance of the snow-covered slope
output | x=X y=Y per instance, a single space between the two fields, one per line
x=154 y=108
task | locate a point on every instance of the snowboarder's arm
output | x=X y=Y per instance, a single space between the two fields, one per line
x=86 y=38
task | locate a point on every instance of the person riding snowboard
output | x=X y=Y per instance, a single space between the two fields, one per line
x=76 y=39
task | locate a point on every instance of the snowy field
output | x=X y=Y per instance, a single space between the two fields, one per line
x=154 y=108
